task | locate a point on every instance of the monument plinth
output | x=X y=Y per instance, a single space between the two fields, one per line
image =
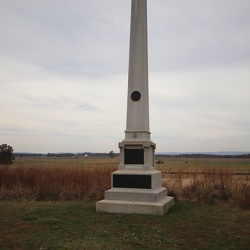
x=137 y=185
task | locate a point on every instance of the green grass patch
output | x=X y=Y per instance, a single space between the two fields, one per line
x=237 y=165
x=76 y=225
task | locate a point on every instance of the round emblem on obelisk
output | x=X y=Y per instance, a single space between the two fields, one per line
x=136 y=96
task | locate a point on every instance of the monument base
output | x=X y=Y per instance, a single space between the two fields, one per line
x=135 y=207
x=149 y=198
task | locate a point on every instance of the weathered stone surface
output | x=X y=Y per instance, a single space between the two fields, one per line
x=136 y=187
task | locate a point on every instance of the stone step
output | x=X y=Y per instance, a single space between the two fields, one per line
x=132 y=194
x=135 y=207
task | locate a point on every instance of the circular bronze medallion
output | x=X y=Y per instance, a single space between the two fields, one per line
x=136 y=96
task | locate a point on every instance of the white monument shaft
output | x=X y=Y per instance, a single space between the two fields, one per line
x=137 y=150
x=138 y=111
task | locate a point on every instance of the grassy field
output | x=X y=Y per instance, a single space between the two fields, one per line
x=187 y=179
x=49 y=203
x=241 y=165
x=76 y=225
x=66 y=162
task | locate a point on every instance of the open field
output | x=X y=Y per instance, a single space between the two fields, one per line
x=76 y=225
x=237 y=165
x=240 y=165
x=65 y=162
x=208 y=180
x=49 y=203
x=202 y=180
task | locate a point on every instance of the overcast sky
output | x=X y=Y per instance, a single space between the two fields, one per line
x=64 y=71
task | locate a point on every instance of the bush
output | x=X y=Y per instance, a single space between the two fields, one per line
x=6 y=154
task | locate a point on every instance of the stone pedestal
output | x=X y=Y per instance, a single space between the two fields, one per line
x=136 y=192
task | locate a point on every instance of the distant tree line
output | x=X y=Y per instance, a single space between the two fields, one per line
x=110 y=154
x=204 y=156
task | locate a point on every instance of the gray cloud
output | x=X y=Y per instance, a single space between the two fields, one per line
x=63 y=74
x=199 y=34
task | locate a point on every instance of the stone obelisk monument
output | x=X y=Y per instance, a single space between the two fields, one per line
x=136 y=187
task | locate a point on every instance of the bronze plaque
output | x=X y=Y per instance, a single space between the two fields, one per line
x=134 y=156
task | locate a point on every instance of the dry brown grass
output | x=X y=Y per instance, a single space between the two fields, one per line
x=83 y=179
x=211 y=186
x=54 y=183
